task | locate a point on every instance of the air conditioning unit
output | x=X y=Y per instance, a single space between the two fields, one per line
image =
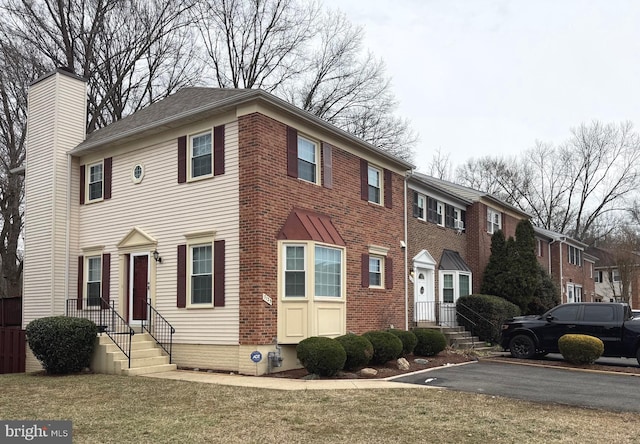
x=459 y=225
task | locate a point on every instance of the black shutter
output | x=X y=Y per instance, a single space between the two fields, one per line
x=388 y=187
x=80 y=281
x=218 y=150
x=108 y=173
x=365 y=270
x=181 y=290
x=364 y=180
x=327 y=164
x=218 y=273
x=449 y=216
x=182 y=159
x=106 y=278
x=83 y=179
x=416 y=208
x=292 y=152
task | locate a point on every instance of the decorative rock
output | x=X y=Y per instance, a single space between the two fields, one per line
x=368 y=372
x=311 y=377
x=403 y=364
x=421 y=361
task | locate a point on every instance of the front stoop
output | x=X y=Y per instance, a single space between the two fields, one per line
x=457 y=337
x=146 y=357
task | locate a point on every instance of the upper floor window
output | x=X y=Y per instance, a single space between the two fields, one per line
x=95 y=181
x=494 y=221
x=432 y=211
x=375 y=184
x=598 y=276
x=307 y=160
x=418 y=205
x=574 y=255
x=614 y=275
x=201 y=154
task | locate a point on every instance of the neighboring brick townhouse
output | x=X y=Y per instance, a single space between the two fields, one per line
x=449 y=231
x=570 y=266
x=247 y=223
x=614 y=270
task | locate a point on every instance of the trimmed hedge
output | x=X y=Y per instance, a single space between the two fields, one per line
x=62 y=344
x=580 y=349
x=358 y=348
x=430 y=341
x=322 y=356
x=483 y=315
x=386 y=346
x=408 y=339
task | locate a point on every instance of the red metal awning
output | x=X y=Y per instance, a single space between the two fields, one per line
x=308 y=225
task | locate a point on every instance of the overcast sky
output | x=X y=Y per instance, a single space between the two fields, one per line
x=490 y=77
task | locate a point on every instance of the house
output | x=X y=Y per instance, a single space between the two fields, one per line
x=449 y=231
x=568 y=263
x=244 y=222
x=616 y=274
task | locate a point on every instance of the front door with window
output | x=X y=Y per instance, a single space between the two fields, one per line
x=425 y=300
x=139 y=288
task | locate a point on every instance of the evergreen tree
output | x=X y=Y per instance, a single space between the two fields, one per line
x=494 y=272
x=546 y=296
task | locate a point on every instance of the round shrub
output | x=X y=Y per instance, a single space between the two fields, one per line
x=62 y=344
x=430 y=342
x=409 y=340
x=580 y=349
x=386 y=346
x=322 y=356
x=358 y=348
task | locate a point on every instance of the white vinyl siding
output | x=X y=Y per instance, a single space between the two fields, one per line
x=45 y=288
x=165 y=210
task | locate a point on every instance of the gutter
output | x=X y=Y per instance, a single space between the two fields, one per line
x=406 y=253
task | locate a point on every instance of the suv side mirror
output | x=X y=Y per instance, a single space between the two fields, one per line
x=550 y=318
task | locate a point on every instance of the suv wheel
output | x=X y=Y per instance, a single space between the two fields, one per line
x=522 y=347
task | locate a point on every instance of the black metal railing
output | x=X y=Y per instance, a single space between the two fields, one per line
x=108 y=320
x=159 y=328
x=443 y=314
x=483 y=327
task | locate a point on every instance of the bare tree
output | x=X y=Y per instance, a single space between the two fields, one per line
x=17 y=67
x=311 y=57
x=440 y=165
x=572 y=188
x=132 y=52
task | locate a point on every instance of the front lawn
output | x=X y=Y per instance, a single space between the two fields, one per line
x=107 y=409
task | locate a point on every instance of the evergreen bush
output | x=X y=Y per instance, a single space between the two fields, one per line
x=430 y=341
x=322 y=356
x=408 y=339
x=483 y=315
x=386 y=346
x=62 y=344
x=359 y=350
x=580 y=349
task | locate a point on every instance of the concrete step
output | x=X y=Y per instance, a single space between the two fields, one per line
x=151 y=369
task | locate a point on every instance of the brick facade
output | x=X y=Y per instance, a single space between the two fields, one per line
x=268 y=195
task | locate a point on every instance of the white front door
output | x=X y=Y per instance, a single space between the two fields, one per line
x=424 y=296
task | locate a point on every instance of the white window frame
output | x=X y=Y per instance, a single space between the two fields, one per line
x=457 y=219
x=285 y=248
x=494 y=220
x=192 y=274
x=310 y=275
x=198 y=239
x=379 y=186
x=334 y=278
x=89 y=181
x=192 y=137
x=574 y=256
x=422 y=206
x=440 y=211
x=315 y=162
x=375 y=258
x=574 y=293
x=598 y=276
x=455 y=276
x=615 y=275
x=87 y=280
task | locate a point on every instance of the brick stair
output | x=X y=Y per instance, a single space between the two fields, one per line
x=458 y=337
x=146 y=357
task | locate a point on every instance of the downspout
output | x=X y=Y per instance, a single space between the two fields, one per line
x=67 y=233
x=407 y=175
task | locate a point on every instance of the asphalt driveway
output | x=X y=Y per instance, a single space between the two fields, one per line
x=608 y=391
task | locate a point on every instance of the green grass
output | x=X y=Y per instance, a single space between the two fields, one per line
x=107 y=409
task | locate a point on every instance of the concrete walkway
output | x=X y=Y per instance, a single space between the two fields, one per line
x=283 y=383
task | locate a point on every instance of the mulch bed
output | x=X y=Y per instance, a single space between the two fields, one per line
x=389 y=369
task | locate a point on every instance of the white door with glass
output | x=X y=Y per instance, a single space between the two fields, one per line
x=424 y=294
x=453 y=284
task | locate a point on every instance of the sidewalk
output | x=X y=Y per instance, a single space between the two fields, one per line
x=282 y=383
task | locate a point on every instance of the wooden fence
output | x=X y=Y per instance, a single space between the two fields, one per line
x=11 y=312
x=12 y=350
